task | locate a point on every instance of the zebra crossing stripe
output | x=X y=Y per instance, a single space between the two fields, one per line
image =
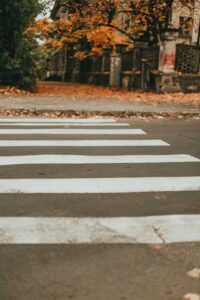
x=85 y=159
x=72 y=131
x=65 y=124
x=100 y=185
x=56 y=120
x=134 y=230
x=81 y=143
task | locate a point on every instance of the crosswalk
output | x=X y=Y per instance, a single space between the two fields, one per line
x=35 y=134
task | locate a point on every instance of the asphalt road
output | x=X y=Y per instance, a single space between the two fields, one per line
x=37 y=261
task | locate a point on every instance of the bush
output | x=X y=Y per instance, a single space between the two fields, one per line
x=20 y=58
x=24 y=69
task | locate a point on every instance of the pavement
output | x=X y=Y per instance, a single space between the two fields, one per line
x=41 y=259
x=95 y=106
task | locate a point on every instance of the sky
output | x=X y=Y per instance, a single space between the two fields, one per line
x=47 y=13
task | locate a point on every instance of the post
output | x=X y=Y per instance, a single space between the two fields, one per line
x=115 y=70
x=165 y=80
x=145 y=76
x=76 y=70
x=76 y=64
x=168 y=51
x=116 y=66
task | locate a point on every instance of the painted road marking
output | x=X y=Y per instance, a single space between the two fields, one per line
x=72 y=131
x=85 y=159
x=81 y=143
x=65 y=124
x=100 y=185
x=54 y=120
x=135 y=230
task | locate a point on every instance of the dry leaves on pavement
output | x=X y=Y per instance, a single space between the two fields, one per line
x=97 y=92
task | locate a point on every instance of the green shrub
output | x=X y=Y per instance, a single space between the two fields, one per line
x=20 y=58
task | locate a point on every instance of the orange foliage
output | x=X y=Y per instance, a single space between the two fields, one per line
x=105 y=23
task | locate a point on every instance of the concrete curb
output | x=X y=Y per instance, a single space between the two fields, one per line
x=115 y=114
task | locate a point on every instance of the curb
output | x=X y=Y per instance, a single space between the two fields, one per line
x=86 y=114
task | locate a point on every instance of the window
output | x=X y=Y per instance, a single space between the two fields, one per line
x=185 y=28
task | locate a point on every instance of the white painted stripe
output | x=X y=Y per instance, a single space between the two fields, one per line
x=85 y=159
x=56 y=120
x=65 y=124
x=81 y=143
x=100 y=185
x=72 y=131
x=134 y=230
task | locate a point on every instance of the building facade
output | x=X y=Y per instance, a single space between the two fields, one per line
x=173 y=66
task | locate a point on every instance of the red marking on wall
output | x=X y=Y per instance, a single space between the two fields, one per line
x=169 y=59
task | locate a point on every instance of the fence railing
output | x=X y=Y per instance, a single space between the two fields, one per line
x=187 y=59
x=132 y=61
x=97 y=70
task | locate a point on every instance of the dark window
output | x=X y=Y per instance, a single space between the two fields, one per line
x=185 y=28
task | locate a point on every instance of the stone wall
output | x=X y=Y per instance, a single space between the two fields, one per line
x=176 y=83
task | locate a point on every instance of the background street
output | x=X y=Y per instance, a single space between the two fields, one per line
x=95 y=259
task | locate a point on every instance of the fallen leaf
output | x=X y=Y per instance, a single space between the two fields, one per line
x=194 y=273
x=168 y=291
x=91 y=92
x=191 y=297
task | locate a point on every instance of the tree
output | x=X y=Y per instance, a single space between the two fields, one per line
x=107 y=22
x=19 y=54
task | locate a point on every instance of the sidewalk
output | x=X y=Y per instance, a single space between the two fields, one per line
x=69 y=104
x=115 y=103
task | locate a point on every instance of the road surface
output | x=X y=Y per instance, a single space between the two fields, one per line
x=99 y=209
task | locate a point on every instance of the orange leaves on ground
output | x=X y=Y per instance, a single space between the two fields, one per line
x=91 y=92
x=13 y=91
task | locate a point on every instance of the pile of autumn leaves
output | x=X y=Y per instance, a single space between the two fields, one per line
x=92 y=92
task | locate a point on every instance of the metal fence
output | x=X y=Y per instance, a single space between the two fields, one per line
x=132 y=60
x=187 y=59
x=97 y=69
